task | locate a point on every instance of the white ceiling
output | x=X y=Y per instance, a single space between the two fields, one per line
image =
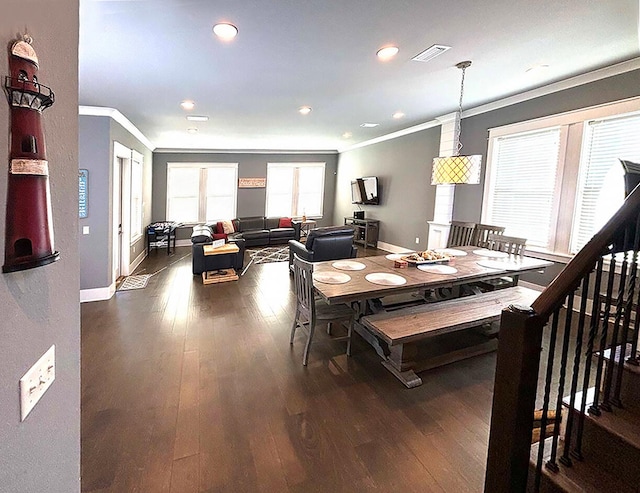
x=143 y=57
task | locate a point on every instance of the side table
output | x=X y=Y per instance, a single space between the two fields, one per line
x=306 y=226
x=222 y=265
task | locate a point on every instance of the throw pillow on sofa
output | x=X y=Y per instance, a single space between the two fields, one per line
x=225 y=227
x=285 y=222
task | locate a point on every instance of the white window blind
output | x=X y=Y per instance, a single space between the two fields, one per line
x=523 y=177
x=601 y=180
x=201 y=192
x=295 y=189
x=221 y=193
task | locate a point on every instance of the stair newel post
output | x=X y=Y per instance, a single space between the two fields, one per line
x=514 y=397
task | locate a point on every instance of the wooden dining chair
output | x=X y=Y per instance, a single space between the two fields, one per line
x=309 y=312
x=460 y=234
x=508 y=244
x=482 y=232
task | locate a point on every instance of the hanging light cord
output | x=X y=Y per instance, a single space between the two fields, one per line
x=462 y=66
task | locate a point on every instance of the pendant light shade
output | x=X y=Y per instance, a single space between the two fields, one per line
x=457 y=169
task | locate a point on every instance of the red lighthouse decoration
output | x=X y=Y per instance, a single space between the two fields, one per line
x=29 y=226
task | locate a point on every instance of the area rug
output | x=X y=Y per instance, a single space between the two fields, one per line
x=269 y=254
x=134 y=282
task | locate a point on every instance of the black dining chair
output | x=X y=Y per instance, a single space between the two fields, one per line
x=309 y=312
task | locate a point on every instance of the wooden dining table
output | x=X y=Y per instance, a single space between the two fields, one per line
x=470 y=264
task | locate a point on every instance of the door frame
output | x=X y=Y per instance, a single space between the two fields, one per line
x=121 y=203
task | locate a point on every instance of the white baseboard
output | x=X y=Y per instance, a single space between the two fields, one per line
x=388 y=247
x=97 y=294
x=137 y=261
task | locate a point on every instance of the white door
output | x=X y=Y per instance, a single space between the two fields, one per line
x=121 y=209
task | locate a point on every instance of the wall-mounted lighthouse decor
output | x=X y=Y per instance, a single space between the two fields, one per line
x=29 y=225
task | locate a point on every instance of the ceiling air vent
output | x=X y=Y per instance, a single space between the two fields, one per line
x=430 y=53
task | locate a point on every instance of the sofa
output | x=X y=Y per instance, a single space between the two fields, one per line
x=203 y=235
x=327 y=243
x=260 y=230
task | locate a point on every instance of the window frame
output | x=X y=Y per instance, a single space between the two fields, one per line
x=572 y=125
x=295 y=213
x=203 y=168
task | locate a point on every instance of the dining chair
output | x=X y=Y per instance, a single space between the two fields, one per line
x=509 y=244
x=460 y=234
x=309 y=312
x=512 y=245
x=482 y=232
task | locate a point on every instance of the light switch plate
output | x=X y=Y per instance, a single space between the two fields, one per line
x=36 y=381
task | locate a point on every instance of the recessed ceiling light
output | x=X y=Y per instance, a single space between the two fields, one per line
x=387 y=52
x=187 y=105
x=347 y=135
x=225 y=31
x=304 y=110
x=197 y=118
x=369 y=125
x=192 y=130
x=537 y=68
x=398 y=114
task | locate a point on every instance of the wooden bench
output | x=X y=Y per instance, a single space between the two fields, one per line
x=447 y=326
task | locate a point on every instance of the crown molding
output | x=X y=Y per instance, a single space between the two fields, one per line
x=393 y=135
x=578 y=80
x=241 y=151
x=118 y=117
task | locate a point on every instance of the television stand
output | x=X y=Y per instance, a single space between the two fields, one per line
x=366 y=231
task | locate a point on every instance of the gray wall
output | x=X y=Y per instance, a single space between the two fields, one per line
x=94 y=155
x=251 y=201
x=403 y=168
x=96 y=137
x=40 y=307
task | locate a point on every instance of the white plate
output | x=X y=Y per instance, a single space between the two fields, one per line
x=500 y=264
x=329 y=277
x=490 y=253
x=348 y=265
x=438 y=269
x=451 y=252
x=385 y=279
x=396 y=256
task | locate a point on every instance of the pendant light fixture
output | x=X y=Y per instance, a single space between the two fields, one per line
x=457 y=169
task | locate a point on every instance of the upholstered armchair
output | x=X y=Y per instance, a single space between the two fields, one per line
x=328 y=243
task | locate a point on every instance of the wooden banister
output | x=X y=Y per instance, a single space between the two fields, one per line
x=513 y=400
x=584 y=261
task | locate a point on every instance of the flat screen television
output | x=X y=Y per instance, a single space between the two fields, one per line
x=365 y=190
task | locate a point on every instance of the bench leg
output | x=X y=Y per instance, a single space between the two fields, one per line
x=408 y=377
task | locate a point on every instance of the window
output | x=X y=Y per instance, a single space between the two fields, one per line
x=201 y=192
x=524 y=184
x=295 y=189
x=136 y=196
x=557 y=180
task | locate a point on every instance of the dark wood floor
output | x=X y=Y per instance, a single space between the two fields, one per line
x=192 y=388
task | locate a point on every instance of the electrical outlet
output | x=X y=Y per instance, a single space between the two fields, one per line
x=36 y=381
x=85 y=230
x=417 y=240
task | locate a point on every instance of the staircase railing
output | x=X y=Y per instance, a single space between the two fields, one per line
x=588 y=314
